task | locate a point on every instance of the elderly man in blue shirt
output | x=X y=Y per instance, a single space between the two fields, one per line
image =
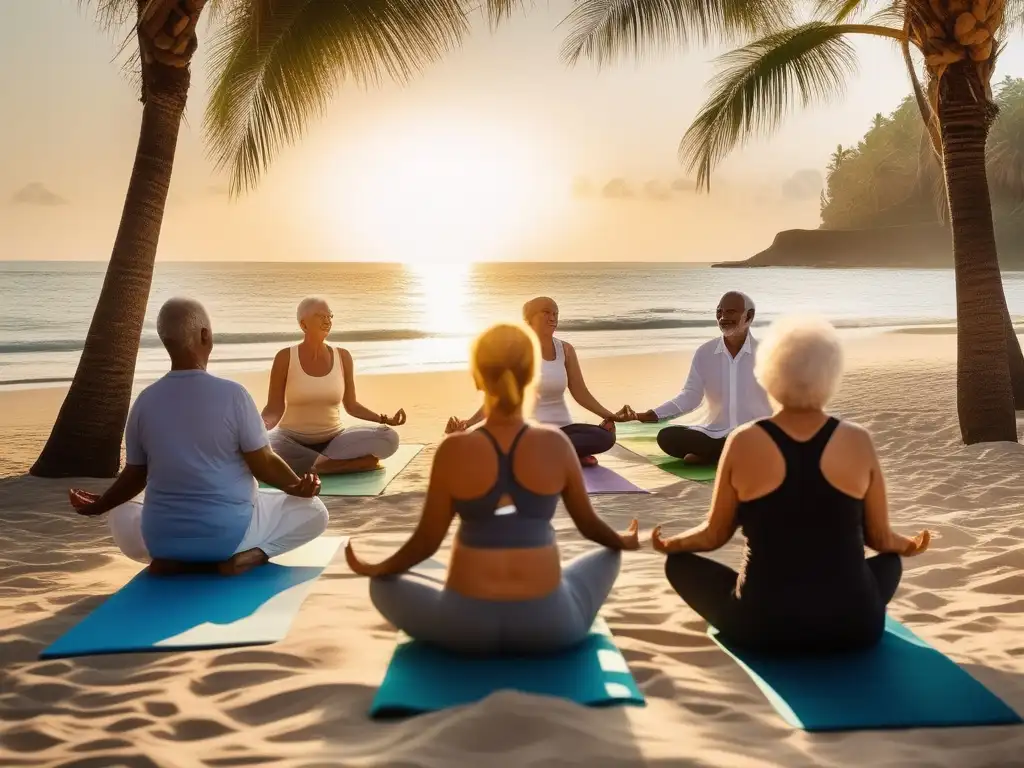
x=197 y=445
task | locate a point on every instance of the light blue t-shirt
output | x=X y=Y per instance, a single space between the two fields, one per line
x=189 y=430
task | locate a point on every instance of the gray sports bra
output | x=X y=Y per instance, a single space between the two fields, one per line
x=525 y=523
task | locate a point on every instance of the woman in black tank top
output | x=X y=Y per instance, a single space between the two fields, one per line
x=805 y=584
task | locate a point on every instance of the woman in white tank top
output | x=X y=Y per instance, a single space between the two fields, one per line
x=310 y=384
x=560 y=370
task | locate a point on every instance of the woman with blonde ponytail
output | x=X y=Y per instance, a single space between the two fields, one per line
x=560 y=370
x=506 y=590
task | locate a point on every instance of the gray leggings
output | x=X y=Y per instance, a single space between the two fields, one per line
x=353 y=443
x=421 y=607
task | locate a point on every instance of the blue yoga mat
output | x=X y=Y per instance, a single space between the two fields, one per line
x=901 y=683
x=198 y=611
x=422 y=678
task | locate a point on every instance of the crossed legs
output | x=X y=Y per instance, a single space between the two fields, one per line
x=690 y=445
x=357 y=449
x=589 y=440
x=421 y=607
x=709 y=588
x=279 y=524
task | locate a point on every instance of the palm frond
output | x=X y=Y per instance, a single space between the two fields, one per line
x=602 y=30
x=275 y=64
x=758 y=83
x=1013 y=18
x=838 y=11
x=500 y=10
x=894 y=14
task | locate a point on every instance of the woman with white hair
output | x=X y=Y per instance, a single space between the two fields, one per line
x=808 y=492
x=309 y=385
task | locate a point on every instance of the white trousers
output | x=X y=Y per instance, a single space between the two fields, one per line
x=353 y=443
x=279 y=524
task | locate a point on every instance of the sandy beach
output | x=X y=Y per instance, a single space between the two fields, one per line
x=303 y=702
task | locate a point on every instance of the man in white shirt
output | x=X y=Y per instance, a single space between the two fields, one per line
x=197 y=445
x=722 y=373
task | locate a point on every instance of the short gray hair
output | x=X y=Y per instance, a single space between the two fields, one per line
x=800 y=362
x=306 y=306
x=180 y=322
x=748 y=303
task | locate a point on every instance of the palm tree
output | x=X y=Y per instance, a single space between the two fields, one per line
x=811 y=62
x=277 y=63
x=86 y=438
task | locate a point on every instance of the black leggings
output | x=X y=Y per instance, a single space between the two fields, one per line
x=709 y=589
x=589 y=439
x=679 y=441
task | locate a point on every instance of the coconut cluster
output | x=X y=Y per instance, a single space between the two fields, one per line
x=168 y=31
x=949 y=31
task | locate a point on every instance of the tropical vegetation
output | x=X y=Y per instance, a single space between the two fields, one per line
x=887 y=180
x=953 y=43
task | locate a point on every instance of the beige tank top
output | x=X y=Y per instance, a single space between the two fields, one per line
x=313 y=403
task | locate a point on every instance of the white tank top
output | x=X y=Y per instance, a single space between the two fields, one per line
x=549 y=405
x=312 y=410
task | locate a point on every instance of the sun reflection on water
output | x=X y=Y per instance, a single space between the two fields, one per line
x=439 y=294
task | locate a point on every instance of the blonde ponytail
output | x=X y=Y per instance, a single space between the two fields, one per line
x=503 y=364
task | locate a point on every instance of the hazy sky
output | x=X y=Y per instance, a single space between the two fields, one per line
x=479 y=153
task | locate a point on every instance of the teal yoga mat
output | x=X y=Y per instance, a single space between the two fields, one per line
x=368 y=483
x=422 y=678
x=901 y=683
x=199 y=611
x=642 y=439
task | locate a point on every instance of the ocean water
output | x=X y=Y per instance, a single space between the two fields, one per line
x=398 y=318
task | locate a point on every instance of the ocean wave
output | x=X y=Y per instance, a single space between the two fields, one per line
x=150 y=341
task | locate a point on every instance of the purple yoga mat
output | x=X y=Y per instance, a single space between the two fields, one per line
x=603 y=480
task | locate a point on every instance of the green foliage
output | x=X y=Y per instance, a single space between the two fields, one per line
x=602 y=30
x=276 y=64
x=757 y=85
x=886 y=179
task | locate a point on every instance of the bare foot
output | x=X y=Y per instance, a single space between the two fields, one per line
x=346 y=466
x=588 y=461
x=242 y=561
x=160 y=567
x=692 y=458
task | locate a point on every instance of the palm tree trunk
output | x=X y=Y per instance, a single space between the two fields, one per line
x=1016 y=359
x=984 y=392
x=86 y=438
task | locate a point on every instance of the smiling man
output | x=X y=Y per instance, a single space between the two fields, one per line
x=722 y=373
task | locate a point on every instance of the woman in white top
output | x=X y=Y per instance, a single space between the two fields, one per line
x=309 y=385
x=559 y=370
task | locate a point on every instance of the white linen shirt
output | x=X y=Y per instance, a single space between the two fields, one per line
x=728 y=385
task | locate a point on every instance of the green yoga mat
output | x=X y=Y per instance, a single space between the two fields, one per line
x=642 y=439
x=368 y=483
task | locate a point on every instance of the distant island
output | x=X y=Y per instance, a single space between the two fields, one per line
x=883 y=202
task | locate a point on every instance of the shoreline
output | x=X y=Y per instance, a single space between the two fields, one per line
x=430 y=397
x=262 y=364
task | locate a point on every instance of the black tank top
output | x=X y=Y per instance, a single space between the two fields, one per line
x=804 y=540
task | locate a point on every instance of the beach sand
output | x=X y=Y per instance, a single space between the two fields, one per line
x=303 y=702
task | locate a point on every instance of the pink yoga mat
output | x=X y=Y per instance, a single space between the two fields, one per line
x=603 y=480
